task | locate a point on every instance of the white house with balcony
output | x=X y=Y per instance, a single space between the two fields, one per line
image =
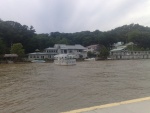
x=77 y=50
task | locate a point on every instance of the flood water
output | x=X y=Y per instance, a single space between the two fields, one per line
x=48 y=88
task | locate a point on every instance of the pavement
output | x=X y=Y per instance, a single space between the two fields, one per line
x=141 y=105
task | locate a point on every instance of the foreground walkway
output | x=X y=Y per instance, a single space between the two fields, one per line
x=141 y=105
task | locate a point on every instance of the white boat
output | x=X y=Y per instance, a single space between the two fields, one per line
x=38 y=61
x=90 y=59
x=64 y=59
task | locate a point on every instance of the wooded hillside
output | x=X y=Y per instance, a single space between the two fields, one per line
x=13 y=32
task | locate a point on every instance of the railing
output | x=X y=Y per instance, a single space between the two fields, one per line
x=65 y=61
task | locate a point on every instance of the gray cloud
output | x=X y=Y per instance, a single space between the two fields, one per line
x=75 y=15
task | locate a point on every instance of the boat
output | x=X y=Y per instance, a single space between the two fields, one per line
x=64 y=59
x=38 y=61
x=90 y=59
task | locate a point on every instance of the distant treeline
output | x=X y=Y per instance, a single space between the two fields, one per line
x=13 y=32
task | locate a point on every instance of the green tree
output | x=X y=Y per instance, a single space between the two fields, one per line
x=2 y=47
x=132 y=35
x=90 y=54
x=104 y=52
x=13 y=32
x=17 y=48
x=63 y=41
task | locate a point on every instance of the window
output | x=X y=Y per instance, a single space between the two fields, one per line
x=70 y=51
x=65 y=51
x=80 y=50
x=42 y=57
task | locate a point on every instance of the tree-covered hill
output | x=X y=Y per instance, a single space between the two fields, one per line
x=13 y=32
x=127 y=33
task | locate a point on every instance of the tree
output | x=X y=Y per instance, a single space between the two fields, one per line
x=2 y=47
x=91 y=54
x=104 y=53
x=17 y=48
x=13 y=32
x=63 y=41
x=132 y=35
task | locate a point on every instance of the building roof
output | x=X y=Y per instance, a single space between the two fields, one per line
x=93 y=46
x=38 y=53
x=64 y=46
x=120 y=48
x=10 y=55
x=64 y=56
x=130 y=43
x=51 y=48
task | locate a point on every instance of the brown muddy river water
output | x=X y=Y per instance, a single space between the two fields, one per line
x=48 y=88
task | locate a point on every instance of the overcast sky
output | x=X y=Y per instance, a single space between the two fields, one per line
x=75 y=15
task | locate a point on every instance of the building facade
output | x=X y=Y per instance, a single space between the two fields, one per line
x=77 y=50
x=127 y=55
x=93 y=48
x=121 y=52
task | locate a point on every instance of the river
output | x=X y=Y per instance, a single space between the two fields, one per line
x=48 y=88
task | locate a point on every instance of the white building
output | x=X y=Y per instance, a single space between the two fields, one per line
x=77 y=50
x=123 y=54
x=127 y=55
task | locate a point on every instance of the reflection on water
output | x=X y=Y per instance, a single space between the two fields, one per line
x=48 y=88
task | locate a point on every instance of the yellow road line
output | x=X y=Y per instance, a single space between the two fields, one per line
x=108 y=105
